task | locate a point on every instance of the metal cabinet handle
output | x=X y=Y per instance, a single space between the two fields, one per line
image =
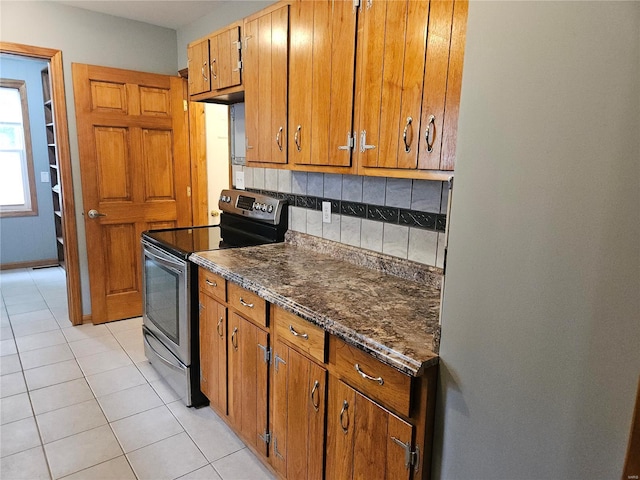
x=296 y=138
x=204 y=65
x=214 y=75
x=210 y=283
x=234 y=339
x=245 y=304
x=345 y=408
x=316 y=406
x=407 y=144
x=380 y=380
x=220 y=333
x=95 y=214
x=278 y=138
x=363 y=142
x=301 y=335
x=430 y=132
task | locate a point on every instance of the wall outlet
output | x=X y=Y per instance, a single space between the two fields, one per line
x=240 y=180
x=44 y=177
x=326 y=212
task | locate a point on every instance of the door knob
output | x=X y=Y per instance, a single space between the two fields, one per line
x=95 y=214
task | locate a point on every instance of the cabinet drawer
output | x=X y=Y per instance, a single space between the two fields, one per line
x=373 y=378
x=248 y=304
x=212 y=284
x=302 y=335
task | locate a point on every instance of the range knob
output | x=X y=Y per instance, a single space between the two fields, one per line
x=270 y=208
x=264 y=207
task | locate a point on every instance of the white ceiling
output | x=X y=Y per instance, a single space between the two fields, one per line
x=164 y=13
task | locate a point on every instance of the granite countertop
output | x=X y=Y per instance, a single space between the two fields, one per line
x=392 y=318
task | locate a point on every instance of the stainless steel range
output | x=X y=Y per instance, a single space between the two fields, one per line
x=170 y=282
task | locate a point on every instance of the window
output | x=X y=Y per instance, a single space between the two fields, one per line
x=17 y=185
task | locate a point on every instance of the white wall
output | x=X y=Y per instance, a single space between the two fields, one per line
x=93 y=38
x=225 y=12
x=217 y=135
x=541 y=312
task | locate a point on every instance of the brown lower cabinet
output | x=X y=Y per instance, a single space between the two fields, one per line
x=365 y=440
x=300 y=400
x=248 y=374
x=298 y=414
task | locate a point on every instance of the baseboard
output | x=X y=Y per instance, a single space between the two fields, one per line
x=33 y=263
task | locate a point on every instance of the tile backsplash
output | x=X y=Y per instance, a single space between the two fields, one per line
x=400 y=217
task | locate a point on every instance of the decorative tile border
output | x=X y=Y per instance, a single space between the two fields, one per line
x=398 y=216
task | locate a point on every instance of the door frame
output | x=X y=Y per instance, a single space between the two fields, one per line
x=70 y=232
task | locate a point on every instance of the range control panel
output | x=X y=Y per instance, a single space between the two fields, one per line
x=252 y=205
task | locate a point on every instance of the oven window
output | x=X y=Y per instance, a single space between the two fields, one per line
x=162 y=298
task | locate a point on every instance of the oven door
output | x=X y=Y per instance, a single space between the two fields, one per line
x=166 y=301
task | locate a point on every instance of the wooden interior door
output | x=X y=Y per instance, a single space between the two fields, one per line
x=134 y=162
x=322 y=55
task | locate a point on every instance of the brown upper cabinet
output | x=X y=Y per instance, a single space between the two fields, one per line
x=322 y=60
x=408 y=86
x=368 y=87
x=215 y=67
x=265 y=64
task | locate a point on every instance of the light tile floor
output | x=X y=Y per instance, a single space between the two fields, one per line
x=84 y=403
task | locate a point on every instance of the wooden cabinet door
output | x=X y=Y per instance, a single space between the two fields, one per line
x=442 y=84
x=322 y=59
x=298 y=414
x=265 y=66
x=389 y=88
x=225 y=59
x=213 y=352
x=364 y=440
x=199 y=69
x=248 y=376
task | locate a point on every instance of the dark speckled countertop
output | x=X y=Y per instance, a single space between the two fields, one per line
x=392 y=318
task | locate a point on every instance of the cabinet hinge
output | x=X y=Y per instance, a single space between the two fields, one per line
x=185 y=105
x=356 y=4
x=411 y=457
x=188 y=191
x=238 y=44
x=239 y=64
x=265 y=437
x=277 y=361
x=266 y=353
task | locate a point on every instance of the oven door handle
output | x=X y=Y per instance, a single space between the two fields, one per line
x=180 y=367
x=165 y=261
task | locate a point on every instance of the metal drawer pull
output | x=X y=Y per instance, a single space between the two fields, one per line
x=210 y=283
x=219 y=325
x=316 y=406
x=296 y=138
x=380 y=380
x=301 y=335
x=345 y=408
x=278 y=138
x=430 y=132
x=245 y=304
x=407 y=145
x=234 y=340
